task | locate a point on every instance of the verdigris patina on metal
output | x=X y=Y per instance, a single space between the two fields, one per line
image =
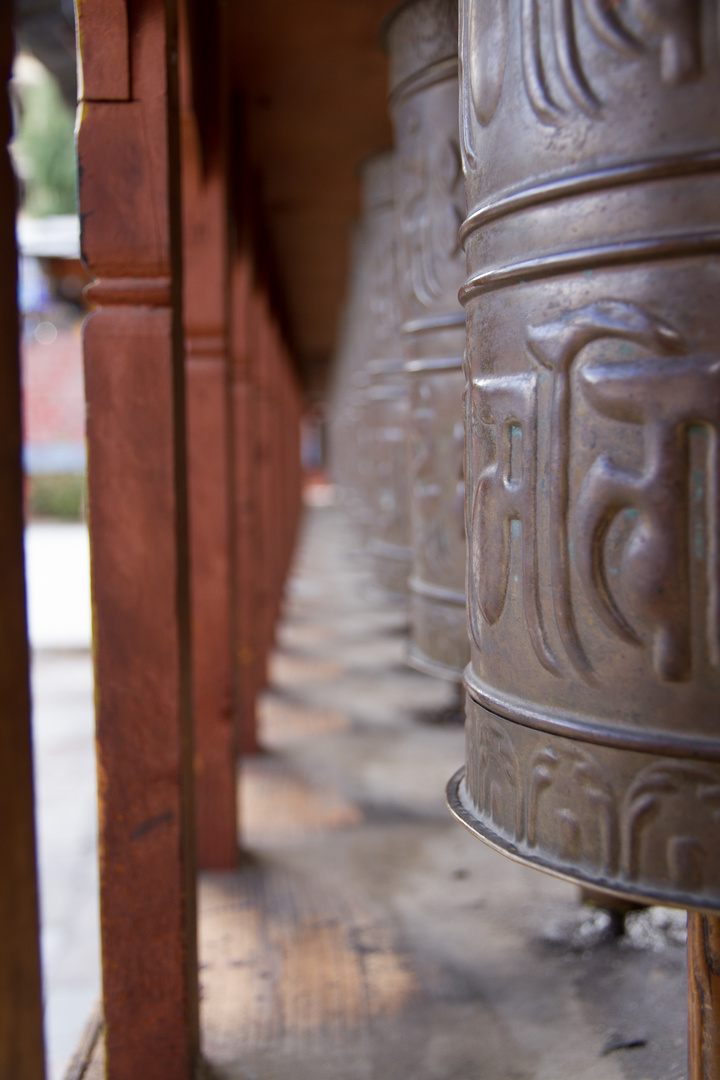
x=591 y=145
x=421 y=39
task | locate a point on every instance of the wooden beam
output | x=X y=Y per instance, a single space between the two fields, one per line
x=104 y=68
x=21 y=1033
x=207 y=350
x=248 y=648
x=134 y=377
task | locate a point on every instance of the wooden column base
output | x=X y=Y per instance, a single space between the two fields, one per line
x=703 y=951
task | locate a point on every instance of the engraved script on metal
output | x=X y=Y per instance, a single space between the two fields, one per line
x=591 y=150
x=421 y=39
x=370 y=400
x=385 y=399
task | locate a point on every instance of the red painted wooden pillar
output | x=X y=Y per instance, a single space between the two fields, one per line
x=287 y=476
x=265 y=479
x=207 y=344
x=273 y=505
x=294 y=466
x=247 y=540
x=282 y=506
x=21 y=1034
x=129 y=155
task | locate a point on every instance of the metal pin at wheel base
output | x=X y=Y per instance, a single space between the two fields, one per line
x=421 y=40
x=593 y=428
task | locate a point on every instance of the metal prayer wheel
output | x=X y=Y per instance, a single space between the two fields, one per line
x=347 y=435
x=421 y=39
x=591 y=144
x=383 y=463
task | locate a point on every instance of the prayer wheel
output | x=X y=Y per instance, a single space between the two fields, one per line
x=421 y=38
x=346 y=435
x=382 y=388
x=590 y=135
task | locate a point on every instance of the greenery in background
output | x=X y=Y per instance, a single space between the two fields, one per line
x=52 y=496
x=44 y=149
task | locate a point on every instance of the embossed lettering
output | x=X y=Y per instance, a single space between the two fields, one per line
x=487 y=44
x=555 y=346
x=431 y=211
x=666 y=397
x=677 y=23
x=496 y=771
x=558 y=778
x=505 y=501
x=657 y=804
x=671 y=26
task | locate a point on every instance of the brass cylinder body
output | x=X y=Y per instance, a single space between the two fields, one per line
x=421 y=39
x=381 y=387
x=347 y=436
x=591 y=143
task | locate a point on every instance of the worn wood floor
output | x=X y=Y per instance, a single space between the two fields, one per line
x=367 y=936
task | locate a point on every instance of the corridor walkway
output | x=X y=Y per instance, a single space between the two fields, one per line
x=367 y=936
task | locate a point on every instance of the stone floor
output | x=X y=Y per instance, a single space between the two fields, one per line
x=367 y=936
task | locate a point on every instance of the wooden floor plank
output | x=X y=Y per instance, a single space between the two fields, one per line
x=367 y=937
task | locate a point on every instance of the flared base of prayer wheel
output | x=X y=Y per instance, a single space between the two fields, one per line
x=439 y=643
x=641 y=825
x=390 y=567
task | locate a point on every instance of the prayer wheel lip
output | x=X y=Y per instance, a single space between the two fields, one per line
x=570 y=725
x=431 y=323
x=463 y=813
x=375 y=174
x=440 y=71
x=417 y=660
x=437 y=592
x=571 y=182
x=439 y=363
x=378 y=368
x=619 y=253
x=421 y=71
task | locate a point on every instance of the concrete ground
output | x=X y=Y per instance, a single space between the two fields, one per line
x=367 y=936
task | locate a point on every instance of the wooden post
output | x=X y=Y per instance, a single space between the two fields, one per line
x=265 y=479
x=21 y=1032
x=272 y=417
x=205 y=307
x=703 y=949
x=128 y=147
x=245 y=485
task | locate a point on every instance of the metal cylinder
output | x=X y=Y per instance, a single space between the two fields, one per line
x=381 y=387
x=421 y=40
x=591 y=143
x=346 y=433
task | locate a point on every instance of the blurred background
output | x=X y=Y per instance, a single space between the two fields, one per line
x=51 y=282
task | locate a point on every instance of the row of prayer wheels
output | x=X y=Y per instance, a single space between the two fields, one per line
x=579 y=439
x=397 y=423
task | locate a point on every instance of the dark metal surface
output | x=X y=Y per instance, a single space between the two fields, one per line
x=592 y=150
x=421 y=38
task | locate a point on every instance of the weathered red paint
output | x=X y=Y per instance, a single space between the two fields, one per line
x=207 y=351
x=129 y=201
x=247 y=643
